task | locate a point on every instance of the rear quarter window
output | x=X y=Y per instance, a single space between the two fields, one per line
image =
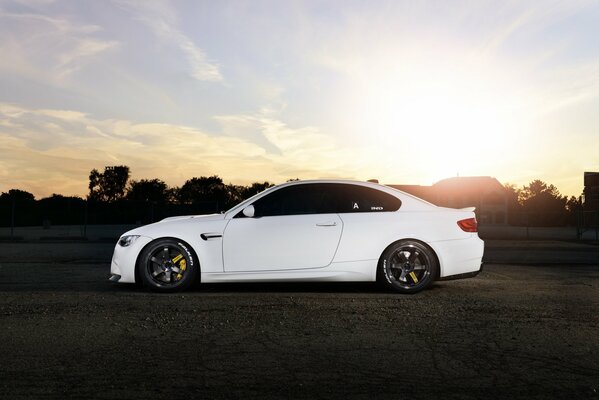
x=359 y=199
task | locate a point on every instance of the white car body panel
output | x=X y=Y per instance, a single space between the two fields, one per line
x=281 y=242
x=294 y=248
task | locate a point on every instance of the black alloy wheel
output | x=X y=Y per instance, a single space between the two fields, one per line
x=408 y=266
x=168 y=265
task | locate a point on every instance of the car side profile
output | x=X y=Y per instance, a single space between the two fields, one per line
x=322 y=230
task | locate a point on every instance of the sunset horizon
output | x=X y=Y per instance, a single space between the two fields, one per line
x=133 y=178
x=399 y=92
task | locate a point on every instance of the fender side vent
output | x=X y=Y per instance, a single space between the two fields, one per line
x=207 y=236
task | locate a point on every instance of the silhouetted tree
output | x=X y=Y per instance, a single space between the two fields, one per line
x=148 y=190
x=512 y=194
x=17 y=195
x=61 y=209
x=543 y=203
x=17 y=206
x=110 y=185
x=574 y=204
x=172 y=195
x=235 y=194
x=254 y=188
x=538 y=189
x=514 y=208
x=204 y=189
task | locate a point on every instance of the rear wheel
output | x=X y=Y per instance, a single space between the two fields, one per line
x=408 y=266
x=168 y=265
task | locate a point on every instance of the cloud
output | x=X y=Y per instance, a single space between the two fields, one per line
x=47 y=48
x=47 y=151
x=162 y=20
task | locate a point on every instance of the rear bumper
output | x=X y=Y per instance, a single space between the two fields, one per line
x=459 y=257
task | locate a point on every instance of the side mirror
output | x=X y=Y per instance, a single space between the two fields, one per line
x=249 y=211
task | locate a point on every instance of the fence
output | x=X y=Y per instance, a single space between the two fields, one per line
x=77 y=215
x=15 y=214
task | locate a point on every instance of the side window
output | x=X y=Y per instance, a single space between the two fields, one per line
x=296 y=200
x=358 y=199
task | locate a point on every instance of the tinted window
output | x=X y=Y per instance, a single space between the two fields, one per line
x=297 y=199
x=324 y=198
x=354 y=198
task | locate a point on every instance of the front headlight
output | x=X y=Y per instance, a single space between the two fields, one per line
x=125 y=241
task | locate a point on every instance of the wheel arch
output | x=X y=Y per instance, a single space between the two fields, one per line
x=138 y=258
x=423 y=242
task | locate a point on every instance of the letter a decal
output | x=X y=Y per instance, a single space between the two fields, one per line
x=356 y=206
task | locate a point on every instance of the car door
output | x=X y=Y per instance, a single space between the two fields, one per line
x=294 y=227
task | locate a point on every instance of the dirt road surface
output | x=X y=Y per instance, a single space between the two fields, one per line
x=515 y=331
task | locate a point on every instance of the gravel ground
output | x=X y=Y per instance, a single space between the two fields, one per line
x=512 y=332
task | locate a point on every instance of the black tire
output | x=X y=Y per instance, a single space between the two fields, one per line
x=168 y=265
x=408 y=266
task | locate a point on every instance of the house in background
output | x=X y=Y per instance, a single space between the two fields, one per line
x=591 y=191
x=483 y=192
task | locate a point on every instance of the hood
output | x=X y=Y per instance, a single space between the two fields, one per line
x=173 y=225
x=209 y=217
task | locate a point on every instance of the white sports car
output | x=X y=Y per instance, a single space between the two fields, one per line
x=324 y=230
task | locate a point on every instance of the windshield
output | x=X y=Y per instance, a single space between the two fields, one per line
x=248 y=201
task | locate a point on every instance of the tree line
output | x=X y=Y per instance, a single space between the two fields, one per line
x=113 y=185
x=114 y=198
x=539 y=203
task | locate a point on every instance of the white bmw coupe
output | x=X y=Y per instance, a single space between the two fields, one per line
x=323 y=230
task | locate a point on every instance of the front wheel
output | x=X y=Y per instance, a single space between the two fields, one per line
x=168 y=265
x=408 y=266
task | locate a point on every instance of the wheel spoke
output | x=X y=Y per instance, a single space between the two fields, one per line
x=157 y=272
x=165 y=254
x=402 y=277
x=176 y=270
x=413 y=256
x=156 y=261
x=401 y=257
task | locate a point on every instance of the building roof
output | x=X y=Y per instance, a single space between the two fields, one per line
x=471 y=181
x=456 y=190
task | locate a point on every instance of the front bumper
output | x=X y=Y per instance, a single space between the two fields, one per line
x=124 y=260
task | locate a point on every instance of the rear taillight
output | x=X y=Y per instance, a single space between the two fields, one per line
x=468 y=225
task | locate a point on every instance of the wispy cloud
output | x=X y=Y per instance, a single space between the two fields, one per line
x=47 y=48
x=161 y=18
x=47 y=150
x=299 y=152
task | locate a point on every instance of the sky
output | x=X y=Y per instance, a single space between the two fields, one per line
x=406 y=92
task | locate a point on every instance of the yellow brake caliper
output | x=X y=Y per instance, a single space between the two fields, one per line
x=182 y=265
x=413 y=276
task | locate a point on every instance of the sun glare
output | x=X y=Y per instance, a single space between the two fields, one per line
x=438 y=121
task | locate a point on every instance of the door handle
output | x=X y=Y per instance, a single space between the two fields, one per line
x=328 y=223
